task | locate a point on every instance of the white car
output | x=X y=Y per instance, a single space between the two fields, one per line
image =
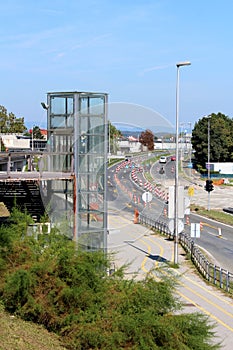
x=163 y=159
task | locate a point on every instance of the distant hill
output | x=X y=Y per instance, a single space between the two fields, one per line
x=132 y=130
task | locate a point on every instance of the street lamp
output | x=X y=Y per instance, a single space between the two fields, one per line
x=32 y=139
x=178 y=65
x=208 y=159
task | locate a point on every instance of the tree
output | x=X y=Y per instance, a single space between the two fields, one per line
x=147 y=139
x=36 y=133
x=114 y=134
x=221 y=139
x=9 y=123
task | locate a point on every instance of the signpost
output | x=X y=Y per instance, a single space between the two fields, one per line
x=147 y=197
x=195 y=230
x=191 y=191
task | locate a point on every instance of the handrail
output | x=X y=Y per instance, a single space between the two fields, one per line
x=214 y=274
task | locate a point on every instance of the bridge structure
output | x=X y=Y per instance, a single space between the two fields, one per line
x=68 y=181
x=32 y=190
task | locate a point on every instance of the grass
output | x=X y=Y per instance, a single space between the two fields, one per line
x=213 y=214
x=16 y=334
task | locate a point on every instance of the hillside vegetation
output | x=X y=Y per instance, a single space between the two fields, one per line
x=18 y=334
x=52 y=283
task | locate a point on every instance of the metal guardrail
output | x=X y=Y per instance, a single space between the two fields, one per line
x=214 y=274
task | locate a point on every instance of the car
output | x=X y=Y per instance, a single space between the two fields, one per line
x=163 y=159
x=173 y=158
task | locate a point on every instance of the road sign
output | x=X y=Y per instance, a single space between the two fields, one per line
x=180 y=225
x=171 y=203
x=195 y=230
x=147 y=197
x=191 y=191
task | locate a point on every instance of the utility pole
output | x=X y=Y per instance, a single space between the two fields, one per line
x=208 y=170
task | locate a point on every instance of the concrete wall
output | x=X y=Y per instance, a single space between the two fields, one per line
x=223 y=168
x=11 y=141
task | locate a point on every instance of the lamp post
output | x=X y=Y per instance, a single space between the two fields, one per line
x=32 y=139
x=208 y=159
x=178 y=65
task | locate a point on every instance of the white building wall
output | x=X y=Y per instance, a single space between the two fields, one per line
x=11 y=141
x=223 y=168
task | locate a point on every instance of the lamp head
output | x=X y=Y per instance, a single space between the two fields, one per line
x=185 y=63
x=44 y=105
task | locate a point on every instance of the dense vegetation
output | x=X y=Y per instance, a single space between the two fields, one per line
x=147 y=139
x=51 y=282
x=114 y=135
x=220 y=140
x=9 y=123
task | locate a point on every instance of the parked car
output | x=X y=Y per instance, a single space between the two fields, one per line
x=173 y=158
x=163 y=159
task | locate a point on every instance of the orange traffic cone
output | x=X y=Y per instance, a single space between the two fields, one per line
x=136 y=215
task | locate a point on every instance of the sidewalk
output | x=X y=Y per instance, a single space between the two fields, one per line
x=138 y=246
x=220 y=197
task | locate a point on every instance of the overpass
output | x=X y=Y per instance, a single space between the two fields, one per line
x=32 y=190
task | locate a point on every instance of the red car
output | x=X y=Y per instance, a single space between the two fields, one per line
x=173 y=158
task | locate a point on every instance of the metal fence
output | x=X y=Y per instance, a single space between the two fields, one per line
x=211 y=272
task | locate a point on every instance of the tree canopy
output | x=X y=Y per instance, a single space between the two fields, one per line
x=37 y=133
x=114 y=134
x=147 y=139
x=9 y=123
x=220 y=141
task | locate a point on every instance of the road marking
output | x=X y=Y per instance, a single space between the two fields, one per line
x=206 y=312
x=205 y=289
x=216 y=236
x=205 y=299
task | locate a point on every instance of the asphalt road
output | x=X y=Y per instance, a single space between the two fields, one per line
x=141 y=250
x=216 y=238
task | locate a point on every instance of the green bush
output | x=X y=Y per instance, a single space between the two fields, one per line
x=51 y=282
x=17 y=289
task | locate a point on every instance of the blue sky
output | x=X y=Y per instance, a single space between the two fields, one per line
x=128 y=49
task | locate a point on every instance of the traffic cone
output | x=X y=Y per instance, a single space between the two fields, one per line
x=201 y=225
x=136 y=215
x=187 y=220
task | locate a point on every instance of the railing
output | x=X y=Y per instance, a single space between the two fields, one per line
x=211 y=272
x=156 y=224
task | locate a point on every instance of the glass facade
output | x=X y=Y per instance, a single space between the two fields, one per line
x=77 y=144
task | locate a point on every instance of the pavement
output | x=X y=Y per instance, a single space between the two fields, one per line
x=140 y=249
x=220 y=197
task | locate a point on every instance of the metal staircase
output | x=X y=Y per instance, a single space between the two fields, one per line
x=25 y=194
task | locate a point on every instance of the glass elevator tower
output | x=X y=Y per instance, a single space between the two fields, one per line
x=77 y=147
